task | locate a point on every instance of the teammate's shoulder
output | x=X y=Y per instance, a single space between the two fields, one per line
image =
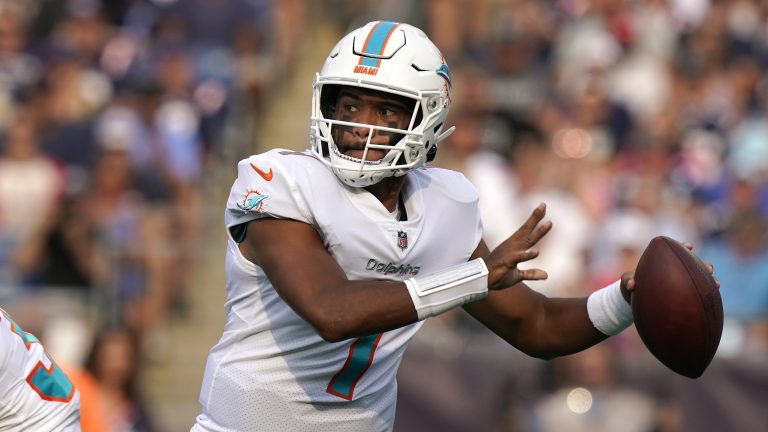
x=448 y=182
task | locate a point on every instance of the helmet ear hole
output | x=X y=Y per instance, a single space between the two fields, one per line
x=431 y=153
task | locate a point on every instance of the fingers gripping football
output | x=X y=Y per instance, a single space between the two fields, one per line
x=628 y=279
x=710 y=268
x=519 y=247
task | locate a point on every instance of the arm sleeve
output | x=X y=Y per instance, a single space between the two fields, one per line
x=265 y=188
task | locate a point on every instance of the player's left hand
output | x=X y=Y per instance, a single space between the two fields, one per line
x=502 y=262
x=628 y=279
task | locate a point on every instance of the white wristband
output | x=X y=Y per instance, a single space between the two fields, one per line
x=608 y=310
x=452 y=287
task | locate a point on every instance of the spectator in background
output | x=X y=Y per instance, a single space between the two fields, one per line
x=69 y=259
x=19 y=70
x=31 y=186
x=740 y=258
x=70 y=95
x=128 y=123
x=131 y=237
x=114 y=401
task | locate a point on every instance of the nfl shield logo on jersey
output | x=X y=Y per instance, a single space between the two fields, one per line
x=402 y=239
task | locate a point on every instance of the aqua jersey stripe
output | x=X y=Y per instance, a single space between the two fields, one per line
x=375 y=43
x=53 y=385
x=361 y=356
x=28 y=338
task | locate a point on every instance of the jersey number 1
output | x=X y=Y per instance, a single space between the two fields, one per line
x=50 y=383
x=358 y=361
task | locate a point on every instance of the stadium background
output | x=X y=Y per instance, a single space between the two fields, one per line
x=121 y=122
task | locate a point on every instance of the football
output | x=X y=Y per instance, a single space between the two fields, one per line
x=677 y=308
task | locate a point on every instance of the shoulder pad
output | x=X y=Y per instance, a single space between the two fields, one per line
x=452 y=184
x=269 y=185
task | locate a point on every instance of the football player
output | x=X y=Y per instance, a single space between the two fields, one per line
x=337 y=254
x=37 y=395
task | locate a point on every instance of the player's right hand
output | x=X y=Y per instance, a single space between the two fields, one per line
x=628 y=278
x=502 y=262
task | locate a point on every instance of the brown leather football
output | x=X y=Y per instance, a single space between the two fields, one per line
x=677 y=307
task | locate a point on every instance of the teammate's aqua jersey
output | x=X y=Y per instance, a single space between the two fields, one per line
x=36 y=394
x=271 y=371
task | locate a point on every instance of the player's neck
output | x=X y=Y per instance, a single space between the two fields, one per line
x=388 y=191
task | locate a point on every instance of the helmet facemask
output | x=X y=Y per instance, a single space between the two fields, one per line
x=404 y=151
x=400 y=76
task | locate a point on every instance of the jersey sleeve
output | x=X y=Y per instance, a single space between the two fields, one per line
x=265 y=187
x=460 y=198
x=468 y=199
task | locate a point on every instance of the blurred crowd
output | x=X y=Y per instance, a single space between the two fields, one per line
x=630 y=119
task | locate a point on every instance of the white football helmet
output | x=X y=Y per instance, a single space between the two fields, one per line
x=390 y=57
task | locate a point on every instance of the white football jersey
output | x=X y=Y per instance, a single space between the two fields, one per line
x=36 y=394
x=271 y=371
